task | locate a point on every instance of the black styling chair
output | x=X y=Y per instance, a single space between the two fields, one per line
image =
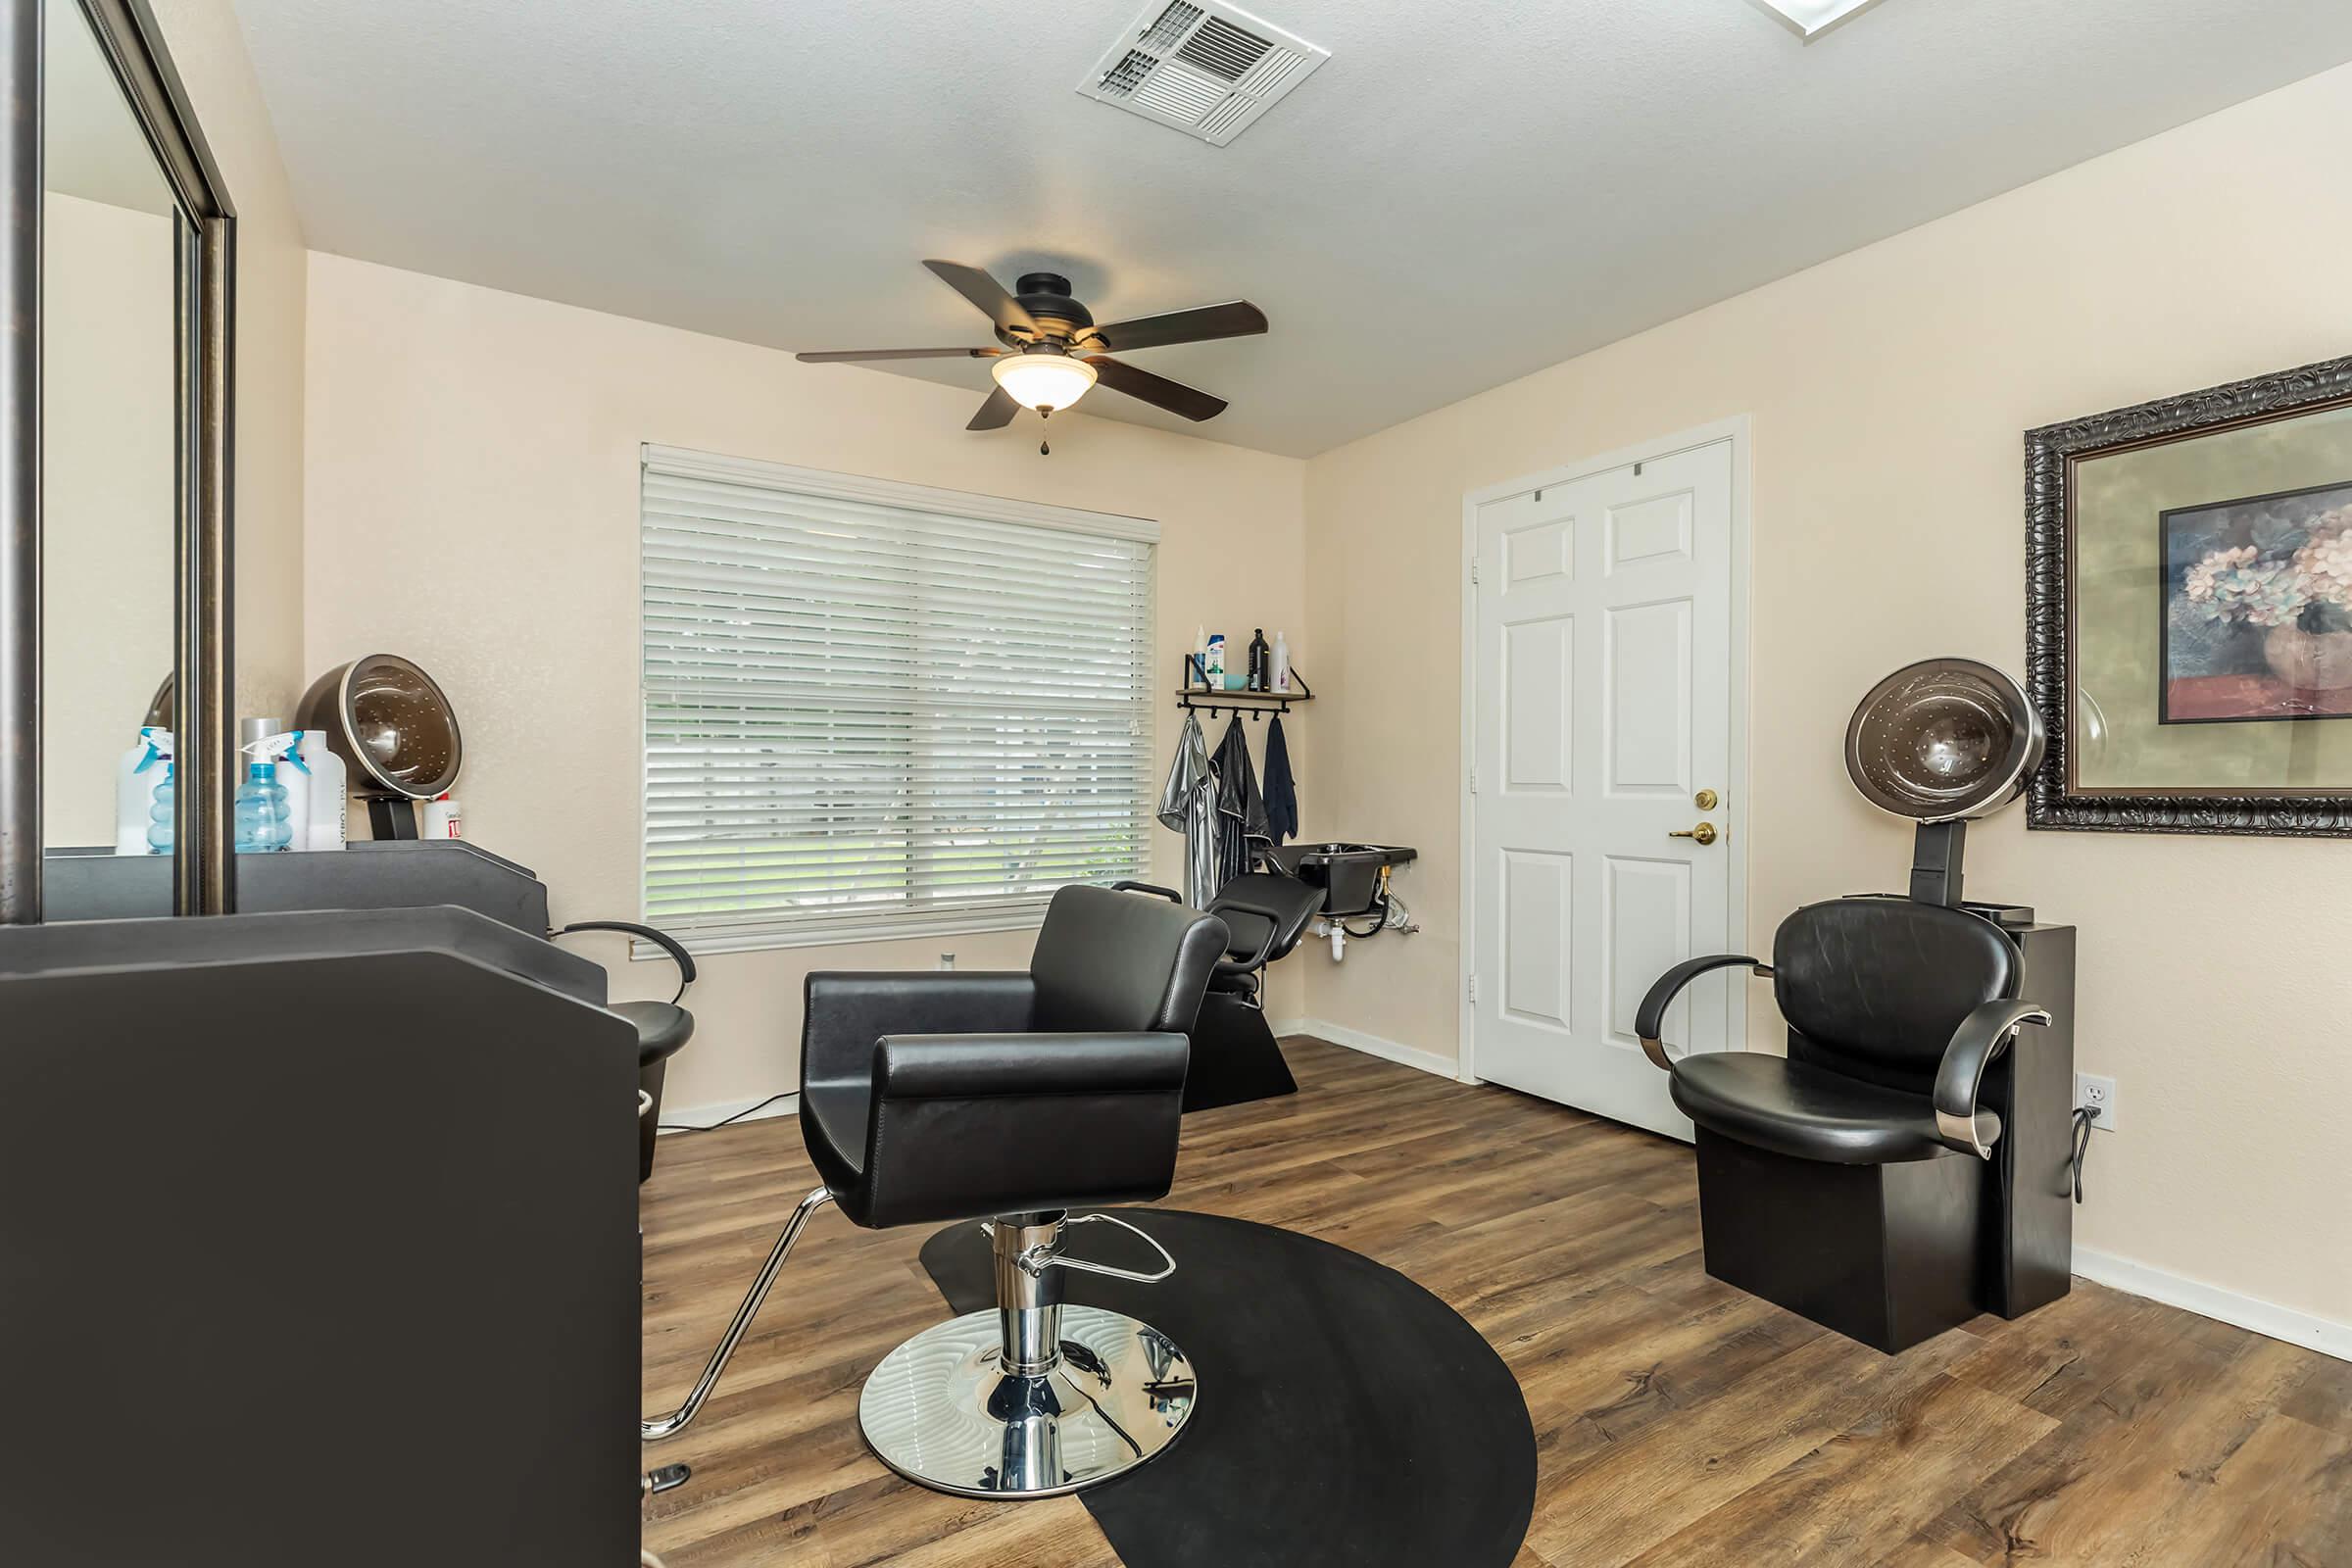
x=1901 y=1169
x=1012 y=1098
x=1235 y=1057
x=663 y=1028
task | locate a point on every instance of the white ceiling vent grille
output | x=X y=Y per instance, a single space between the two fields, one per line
x=1205 y=67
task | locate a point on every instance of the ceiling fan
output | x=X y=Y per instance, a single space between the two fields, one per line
x=1053 y=353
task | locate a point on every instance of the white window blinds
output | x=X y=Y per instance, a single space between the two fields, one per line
x=875 y=710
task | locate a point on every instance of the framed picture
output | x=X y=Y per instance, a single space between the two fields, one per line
x=2188 y=608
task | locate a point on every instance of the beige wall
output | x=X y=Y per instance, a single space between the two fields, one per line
x=473 y=502
x=208 y=51
x=1890 y=389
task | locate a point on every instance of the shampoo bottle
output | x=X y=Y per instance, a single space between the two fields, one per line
x=328 y=825
x=143 y=770
x=1282 y=663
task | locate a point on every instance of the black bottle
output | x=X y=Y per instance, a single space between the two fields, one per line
x=1262 y=662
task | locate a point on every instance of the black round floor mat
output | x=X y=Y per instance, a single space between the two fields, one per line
x=1345 y=1414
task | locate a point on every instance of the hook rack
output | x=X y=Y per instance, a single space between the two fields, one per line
x=1206 y=697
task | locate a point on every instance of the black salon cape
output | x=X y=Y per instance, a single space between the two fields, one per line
x=1282 y=792
x=1241 y=830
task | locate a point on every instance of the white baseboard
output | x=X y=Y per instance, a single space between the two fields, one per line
x=1340 y=1034
x=2213 y=1301
x=682 y=1118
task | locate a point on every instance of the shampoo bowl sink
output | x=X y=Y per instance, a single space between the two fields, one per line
x=1347 y=873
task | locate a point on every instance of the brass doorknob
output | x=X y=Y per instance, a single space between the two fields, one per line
x=1704 y=833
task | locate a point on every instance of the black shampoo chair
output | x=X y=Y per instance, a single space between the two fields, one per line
x=1235 y=1057
x=1901 y=1169
x=1846 y=1180
x=663 y=1028
x=932 y=1096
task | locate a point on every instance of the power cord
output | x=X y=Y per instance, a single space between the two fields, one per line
x=2084 y=1115
x=688 y=1127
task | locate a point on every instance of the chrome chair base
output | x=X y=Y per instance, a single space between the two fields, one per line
x=943 y=1411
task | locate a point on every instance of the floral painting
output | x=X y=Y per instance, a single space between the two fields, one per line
x=2258 y=608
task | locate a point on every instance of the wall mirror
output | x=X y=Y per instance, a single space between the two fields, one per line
x=112 y=235
x=114 y=588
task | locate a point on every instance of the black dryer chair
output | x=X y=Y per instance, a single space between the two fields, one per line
x=1012 y=1098
x=663 y=1028
x=1235 y=1057
x=1847 y=1179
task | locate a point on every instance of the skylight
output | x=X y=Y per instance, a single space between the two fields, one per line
x=1810 y=19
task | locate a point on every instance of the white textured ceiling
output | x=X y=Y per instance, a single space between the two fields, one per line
x=1470 y=190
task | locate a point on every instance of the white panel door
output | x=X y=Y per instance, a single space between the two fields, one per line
x=1602 y=709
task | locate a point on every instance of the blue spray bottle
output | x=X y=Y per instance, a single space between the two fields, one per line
x=160 y=815
x=138 y=776
x=264 y=816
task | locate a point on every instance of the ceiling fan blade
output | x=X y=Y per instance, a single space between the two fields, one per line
x=1156 y=390
x=844 y=356
x=988 y=294
x=996 y=413
x=1233 y=319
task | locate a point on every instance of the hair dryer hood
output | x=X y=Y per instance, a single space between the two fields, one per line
x=1943 y=740
x=390 y=722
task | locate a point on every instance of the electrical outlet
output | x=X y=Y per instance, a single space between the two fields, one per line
x=2097 y=1094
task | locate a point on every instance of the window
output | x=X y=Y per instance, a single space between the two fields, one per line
x=874 y=709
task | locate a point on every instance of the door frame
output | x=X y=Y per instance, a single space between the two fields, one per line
x=1738 y=430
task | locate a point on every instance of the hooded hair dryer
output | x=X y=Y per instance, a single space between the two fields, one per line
x=1940 y=742
x=391 y=724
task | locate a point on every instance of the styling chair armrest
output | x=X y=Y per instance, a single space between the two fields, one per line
x=1975 y=1045
x=659 y=939
x=1153 y=888
x=845 y=1012
x=985 y=1066
x=1649 y=1020
x=967 y=1126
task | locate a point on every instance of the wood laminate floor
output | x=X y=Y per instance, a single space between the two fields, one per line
x=1678 y=1421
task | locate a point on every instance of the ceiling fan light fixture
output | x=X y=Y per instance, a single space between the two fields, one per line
x=1042 y=379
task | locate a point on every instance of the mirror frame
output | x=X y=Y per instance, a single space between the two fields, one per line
x=204 y=652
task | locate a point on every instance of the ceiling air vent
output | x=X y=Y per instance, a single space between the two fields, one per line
x=1205 y=67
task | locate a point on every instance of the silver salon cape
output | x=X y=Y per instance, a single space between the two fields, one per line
x=1189 y=806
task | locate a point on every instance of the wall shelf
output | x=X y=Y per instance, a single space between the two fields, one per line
x=1196 y=699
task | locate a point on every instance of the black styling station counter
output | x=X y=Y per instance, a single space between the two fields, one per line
x=320 y=1235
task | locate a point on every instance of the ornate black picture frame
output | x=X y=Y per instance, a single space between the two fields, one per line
x=2053 y=455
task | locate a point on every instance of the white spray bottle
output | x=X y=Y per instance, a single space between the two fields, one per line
x=294 y=778
x=143 y=770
